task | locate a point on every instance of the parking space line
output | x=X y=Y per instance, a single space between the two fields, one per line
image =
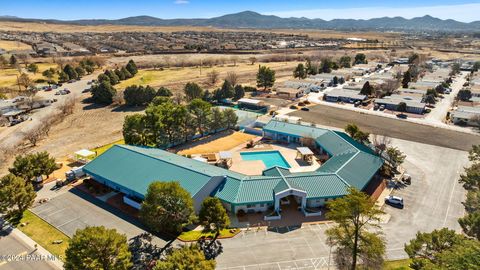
x=67 y=222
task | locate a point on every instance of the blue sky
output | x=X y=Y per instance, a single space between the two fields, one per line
x=466 y=10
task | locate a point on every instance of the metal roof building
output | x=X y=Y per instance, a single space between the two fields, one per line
x=130 y=169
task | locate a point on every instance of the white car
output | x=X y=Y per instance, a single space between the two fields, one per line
x=394 y=201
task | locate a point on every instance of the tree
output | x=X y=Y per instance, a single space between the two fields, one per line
x=470 y=179
x=201 y=111
x=227 y=91
x=113 y=78
x=212 y=77
x=326 y=65
x=367 y=89
x=126 y=73
x=300 y=72
x=360 y=58
x=232 y=78
x=13 y=61
x=345 y=61
x=33 y=165
x=103 y=93
x=32 y=68
x=464 y=95
x=192 y=91
x=311 y=68
x=335 y=80
x=265 y=77
x=167 y=207
x=98 y=248
x=395 y=156
x=63 y=77
x=80 y=71
x=49 y=73
x=70 y=71
x=131 y=67
x=441 y=249
x=25 y=81
x=351 y=129
x=353 y=213
x=470 y=224
x=230 y=117
x=164 y=92
x=213 y=216
x=16 y=195
x=430 y=99
x=455 y=69
x=252 y=60
x=217 y=120
x=138 y=95
x=187 y=257
x=239 y=92
x=474 y=153
x=407 y=77
x=136 y=130
x=402 y=107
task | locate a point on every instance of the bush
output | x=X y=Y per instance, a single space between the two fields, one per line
x=293 y=107
x=306 y=102
x=301 y=104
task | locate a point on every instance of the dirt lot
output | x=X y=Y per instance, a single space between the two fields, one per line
x=224 y=142
x=330 y=116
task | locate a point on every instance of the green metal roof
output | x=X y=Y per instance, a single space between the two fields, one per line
x=136 y=167
x=351 y=164
x=294 y=129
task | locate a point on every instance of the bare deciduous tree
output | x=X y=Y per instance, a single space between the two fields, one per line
x=252 y=60
x=381 y=143
x=212 y=77
x=234 y=59
x=232 y=78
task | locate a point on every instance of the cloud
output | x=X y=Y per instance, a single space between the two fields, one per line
x=460 y=12
x=181 y=2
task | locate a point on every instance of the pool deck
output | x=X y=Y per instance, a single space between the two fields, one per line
x=256 y=167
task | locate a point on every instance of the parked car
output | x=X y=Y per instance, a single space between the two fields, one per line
x=407 y=179
x=394 y=201
x=66 y=91
x=402 y=116
x=375 y=107
x=86 y=90
x=381 y=108
x=305 y=109
x=15 y=122
x=357 y=103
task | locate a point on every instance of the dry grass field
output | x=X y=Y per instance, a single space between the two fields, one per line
x=176 y=78
x=8 y=77
x=8 y=45
x=221 y=144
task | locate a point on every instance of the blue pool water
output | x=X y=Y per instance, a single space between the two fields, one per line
x=269 y=158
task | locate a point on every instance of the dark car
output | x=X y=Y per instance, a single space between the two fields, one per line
x=305 y=109
x=402 y=116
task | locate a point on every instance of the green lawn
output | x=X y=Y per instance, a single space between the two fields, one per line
x=195 y=235
x=398 y=265
x=43 y=233
x=99 y=150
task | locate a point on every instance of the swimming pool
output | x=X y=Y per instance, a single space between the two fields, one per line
x=269 y=158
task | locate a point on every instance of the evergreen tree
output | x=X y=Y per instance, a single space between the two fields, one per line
x=265 y=77
x=131 y=67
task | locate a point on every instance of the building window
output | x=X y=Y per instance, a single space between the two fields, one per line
x=262 y=205
x=250 y=205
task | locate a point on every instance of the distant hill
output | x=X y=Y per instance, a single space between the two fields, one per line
x=250 y=19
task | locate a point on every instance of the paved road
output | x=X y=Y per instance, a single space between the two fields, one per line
x=11 y=245
x=433 y=200
x=396 y=128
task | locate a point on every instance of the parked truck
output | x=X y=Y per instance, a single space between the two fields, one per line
x=74 y=173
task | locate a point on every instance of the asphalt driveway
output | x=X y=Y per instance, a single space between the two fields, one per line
x=75 y=210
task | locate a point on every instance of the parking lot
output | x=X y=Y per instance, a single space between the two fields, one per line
x=75 y=210
x=433 y=200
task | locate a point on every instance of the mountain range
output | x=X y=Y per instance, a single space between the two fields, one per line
x=250 y=19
